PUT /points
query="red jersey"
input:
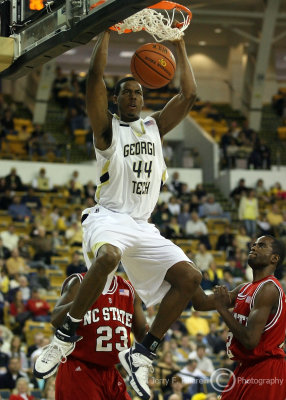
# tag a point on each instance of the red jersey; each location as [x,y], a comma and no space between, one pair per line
[273,336]
[107,324]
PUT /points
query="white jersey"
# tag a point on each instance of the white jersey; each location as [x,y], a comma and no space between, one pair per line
[130,172]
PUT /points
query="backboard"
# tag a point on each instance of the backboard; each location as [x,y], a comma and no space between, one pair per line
[44,29]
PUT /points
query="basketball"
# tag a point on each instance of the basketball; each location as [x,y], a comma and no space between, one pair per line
[153,65]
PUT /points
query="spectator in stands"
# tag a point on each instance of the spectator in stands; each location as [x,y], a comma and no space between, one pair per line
[39,308]
[166,366]
[275,218]
[164,195]
[77,265]
[16,350]
[35,141]
[175,184]
[18,313]
[22,390]
[9,237]
[185,347]
[225,239]
[265,155]
[4,359]
[41,182]
[31,200]
[74,193]
[184,215]
[195,203]
[60,84]
[212,209]
[282,229]
[44,219]
[89,189]
[13,181]
[228,280]
[7,122]
[261,191]
[186,194]
[24,287]
[195,324]
[174,206]
[248,212]
[4,279]
[74,234]
[204,363]
[177,389]
[264,228]
[237,192]
[8,380]
[40,279]
[167,153]
[213,336]
[192,376]
[5,200]
[49,146]
[220,346]
[200,192]
[16,264]
[18,211]
[197,229]
[42,245]
[203,257]
[276,192]
[4,251]
[36,343]
[242,239]
[207,283]
[173,230]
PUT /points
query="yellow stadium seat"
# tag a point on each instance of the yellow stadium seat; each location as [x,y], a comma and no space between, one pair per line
[281,130]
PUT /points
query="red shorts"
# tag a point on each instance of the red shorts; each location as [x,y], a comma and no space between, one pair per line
[265,380]
[80,380]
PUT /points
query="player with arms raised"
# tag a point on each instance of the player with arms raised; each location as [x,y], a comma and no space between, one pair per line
[89,372]
[130,168]
[257,326]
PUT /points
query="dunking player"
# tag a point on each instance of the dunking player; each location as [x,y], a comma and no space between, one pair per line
[89,372]
[130,168]
[257,326]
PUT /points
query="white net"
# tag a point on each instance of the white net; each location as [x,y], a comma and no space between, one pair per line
[155,23]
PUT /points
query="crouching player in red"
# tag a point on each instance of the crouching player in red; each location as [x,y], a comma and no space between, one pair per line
[90,372]
[257,326]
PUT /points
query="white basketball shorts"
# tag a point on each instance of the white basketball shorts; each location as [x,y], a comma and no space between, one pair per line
[146,255]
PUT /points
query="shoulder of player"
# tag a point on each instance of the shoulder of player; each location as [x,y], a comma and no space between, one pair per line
[267,294]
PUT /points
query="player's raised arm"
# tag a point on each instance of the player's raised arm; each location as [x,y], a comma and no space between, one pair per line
[139,324]
[65,302]
[179,106]
[266,302]
[96,94]
[203,302]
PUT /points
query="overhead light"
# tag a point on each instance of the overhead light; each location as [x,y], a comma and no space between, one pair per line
[70,52]
[126,54]
[218,30]
[202,43]
[82,74]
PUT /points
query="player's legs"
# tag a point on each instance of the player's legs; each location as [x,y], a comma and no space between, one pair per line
[90,289]
[79,380]
[263,380]
[184,279]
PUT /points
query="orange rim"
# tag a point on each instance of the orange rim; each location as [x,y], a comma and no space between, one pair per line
[162,5]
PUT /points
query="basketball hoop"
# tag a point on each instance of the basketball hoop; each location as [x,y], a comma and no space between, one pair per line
[157,20]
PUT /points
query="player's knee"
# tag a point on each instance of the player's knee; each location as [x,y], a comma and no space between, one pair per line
[191,280]
[108,258]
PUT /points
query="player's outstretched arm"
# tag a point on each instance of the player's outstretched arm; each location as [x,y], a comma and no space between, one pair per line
[203,302]
[139,324]
[96,94]
[266,301]
[64,303]
[180,105]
